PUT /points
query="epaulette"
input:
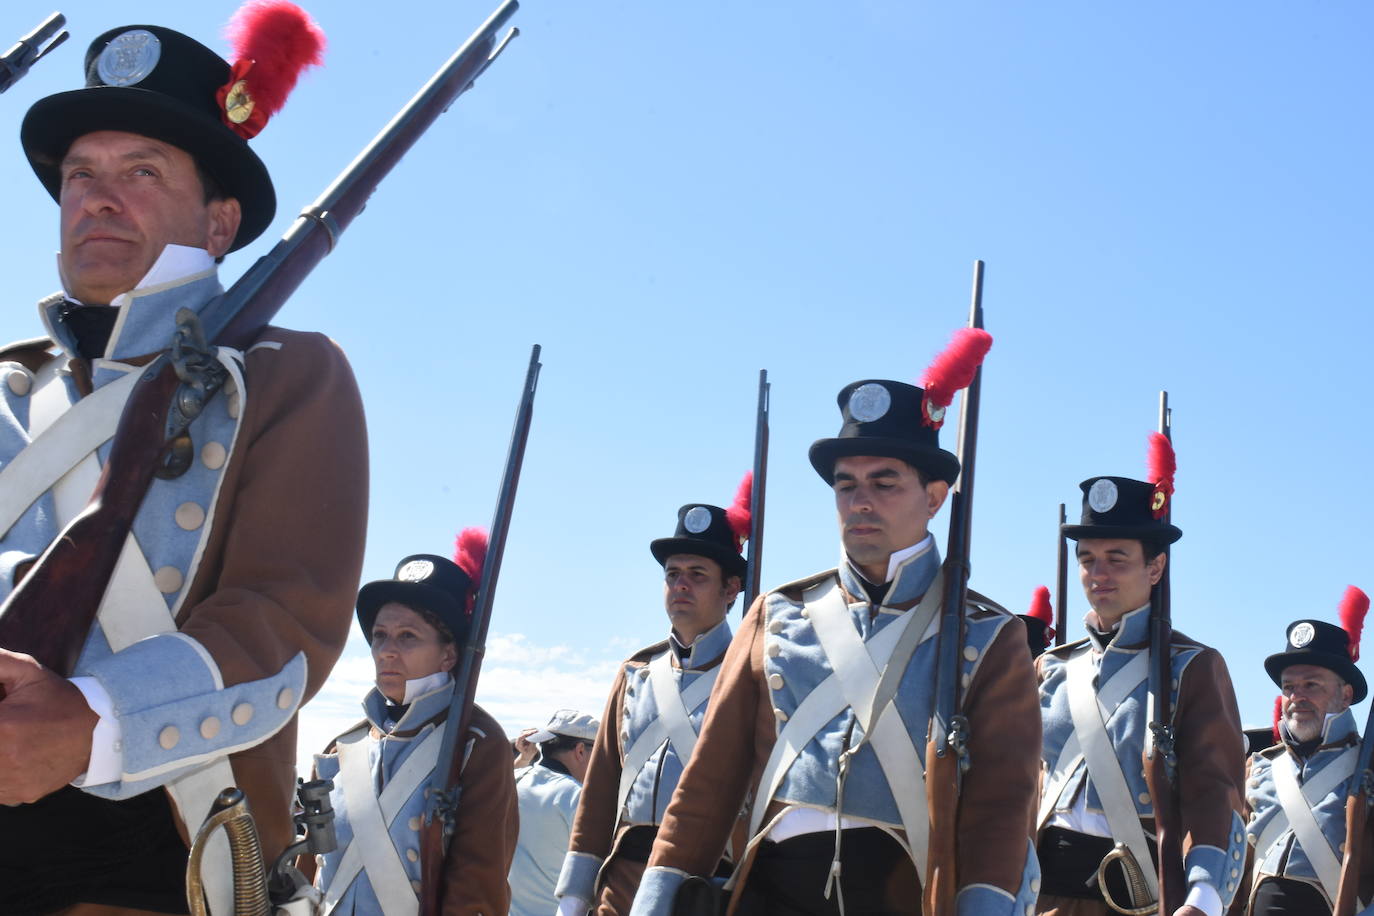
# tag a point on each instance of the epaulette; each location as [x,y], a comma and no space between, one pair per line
[1273,752]
[31,353]
[984,603]
[793,590]
[646,655]
[1067,649]
[333,745]
[1180,639]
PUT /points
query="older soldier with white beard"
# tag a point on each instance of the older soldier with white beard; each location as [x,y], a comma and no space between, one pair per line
[1296,790]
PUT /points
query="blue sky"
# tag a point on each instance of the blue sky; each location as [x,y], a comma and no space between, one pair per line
[669,197]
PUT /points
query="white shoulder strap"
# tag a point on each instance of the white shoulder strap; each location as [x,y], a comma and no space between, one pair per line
[371,817]
[1103,767]
[1297,807]
[1130,676]
[857,671]
[1314,790]
[673,722]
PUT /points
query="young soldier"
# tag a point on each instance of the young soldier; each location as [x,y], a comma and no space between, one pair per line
[654,713]
[1094,698]
[833,773]
[234,591]
[1296,790]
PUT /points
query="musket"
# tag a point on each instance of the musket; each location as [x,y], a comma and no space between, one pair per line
[49,613]
[30,49]
[753,568]
[1161,762]
[946,743]
[445,788]
[1356,816]
[1061,595]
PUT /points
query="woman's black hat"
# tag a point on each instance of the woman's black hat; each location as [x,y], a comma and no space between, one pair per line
[884,419]
[1316,642]
[703,531]
[155,82]
[1118,507]
[422,582]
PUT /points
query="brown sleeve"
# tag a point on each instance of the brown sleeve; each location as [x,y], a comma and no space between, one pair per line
[281,568]
[998,800]
[594,822]
[734,742]
[484,840]
[1211,752]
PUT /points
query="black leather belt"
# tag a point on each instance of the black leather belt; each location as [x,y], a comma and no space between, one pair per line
[1069,861]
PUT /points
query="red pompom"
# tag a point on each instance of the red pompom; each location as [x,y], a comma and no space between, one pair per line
[738,515]
[470,552]
[952,371]
[1278,717]
[1354,607]
[1040,607]
[1159,470]
[272,41]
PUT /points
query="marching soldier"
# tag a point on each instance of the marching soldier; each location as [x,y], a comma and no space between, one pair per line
[827,749]
[1296,791]
[1094,698]
[232,597]
[381,768]
[654,713]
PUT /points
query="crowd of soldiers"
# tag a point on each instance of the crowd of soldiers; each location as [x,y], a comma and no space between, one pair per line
[781,768]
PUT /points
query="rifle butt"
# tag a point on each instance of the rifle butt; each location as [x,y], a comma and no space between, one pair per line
[1356,813]
[942,800]
[431,866]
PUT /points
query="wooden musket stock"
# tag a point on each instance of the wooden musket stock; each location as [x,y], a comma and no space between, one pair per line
[445,787]
[50,612]
[1356,818]
[948,731]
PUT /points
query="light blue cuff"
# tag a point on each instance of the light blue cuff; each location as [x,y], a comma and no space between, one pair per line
[988,900]
[175,713]
[1221,868]
[657,891]
[578,876]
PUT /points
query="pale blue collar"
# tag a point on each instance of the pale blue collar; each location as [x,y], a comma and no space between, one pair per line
[706,648]
[423,707]
[910,572]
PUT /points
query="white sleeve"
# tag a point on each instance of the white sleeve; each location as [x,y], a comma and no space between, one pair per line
[106,763]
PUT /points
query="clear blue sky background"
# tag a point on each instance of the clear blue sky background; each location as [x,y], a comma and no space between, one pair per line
[670,197]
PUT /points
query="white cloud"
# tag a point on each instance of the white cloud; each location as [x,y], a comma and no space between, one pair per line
[521,685]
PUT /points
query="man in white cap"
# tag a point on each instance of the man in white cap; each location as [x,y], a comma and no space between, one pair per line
[548,791]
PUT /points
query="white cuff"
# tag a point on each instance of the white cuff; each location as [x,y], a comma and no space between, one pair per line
[570,905]
[107,761]
[1205,898]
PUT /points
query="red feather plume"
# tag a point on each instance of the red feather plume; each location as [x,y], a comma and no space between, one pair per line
[952,371]
[272,42]
[1278,716]
[1041,610]
[1354,607]
[1159,470]
[738,515]
[470,552]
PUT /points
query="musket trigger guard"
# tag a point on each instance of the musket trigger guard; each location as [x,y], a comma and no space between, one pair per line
[326,221]
[958,740]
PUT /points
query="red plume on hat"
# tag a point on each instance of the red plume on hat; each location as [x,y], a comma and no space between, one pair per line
[739,515]
[952,371]
[1278,716]
[1040,609]
[470,552]
[272,41]
[1160,471]
[1354,607]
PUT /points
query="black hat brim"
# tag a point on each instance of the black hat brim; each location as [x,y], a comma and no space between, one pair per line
[731,563]
[415,595]
[935,463]
[54,123]
[1340,664]
[1159,534]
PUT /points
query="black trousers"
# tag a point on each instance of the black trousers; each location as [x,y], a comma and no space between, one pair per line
[1286,897]
[877,877]
[71,847]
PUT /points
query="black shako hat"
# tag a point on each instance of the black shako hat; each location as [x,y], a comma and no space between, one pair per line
[702,531]
[1037,634]
[1316,642]
[884,419]
[152,81]
[1118,507]
[425,582]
